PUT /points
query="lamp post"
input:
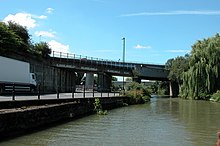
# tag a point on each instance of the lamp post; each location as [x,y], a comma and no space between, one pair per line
[123,83]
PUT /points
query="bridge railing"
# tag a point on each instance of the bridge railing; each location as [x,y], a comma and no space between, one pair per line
[77,92]
[98,61]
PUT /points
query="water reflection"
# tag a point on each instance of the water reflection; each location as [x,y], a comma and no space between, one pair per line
[164,121]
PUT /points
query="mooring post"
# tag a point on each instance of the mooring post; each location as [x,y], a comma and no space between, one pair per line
[38,91]
[72,92]
[84,91]
[13,91]
[58,93]
[93,92]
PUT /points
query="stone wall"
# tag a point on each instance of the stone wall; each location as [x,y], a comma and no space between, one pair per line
[22,120]
[20,117]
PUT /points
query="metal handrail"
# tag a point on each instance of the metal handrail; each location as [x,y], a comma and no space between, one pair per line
[92,59]
[82,57]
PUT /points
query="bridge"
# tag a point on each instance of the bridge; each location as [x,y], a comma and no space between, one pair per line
[117,68]
[105,69]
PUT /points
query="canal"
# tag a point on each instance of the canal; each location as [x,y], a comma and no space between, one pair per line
[163,121]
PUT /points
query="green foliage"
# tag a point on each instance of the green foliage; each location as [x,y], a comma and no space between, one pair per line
[128,79]
[138,93]
[216,97]
[42,49]
[202,78]
[98,107]
[176,67]
[15,39]
[146,99]
[163,88]
[154,87]
[114,78]
[22,32]
[160,88]
[161,91]
[9,40]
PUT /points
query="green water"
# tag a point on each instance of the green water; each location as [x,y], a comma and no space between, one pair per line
[164,121]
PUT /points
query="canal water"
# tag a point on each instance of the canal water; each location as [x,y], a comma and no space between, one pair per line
[162,122]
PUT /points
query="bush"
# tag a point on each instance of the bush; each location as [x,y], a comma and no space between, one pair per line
[138,93]
[216,96]
[146,98]
[98,107]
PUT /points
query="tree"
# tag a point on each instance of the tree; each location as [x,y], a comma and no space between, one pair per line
[9,41]
[176,69]
[22,32]
[42,49]
[202,77]
[168,64]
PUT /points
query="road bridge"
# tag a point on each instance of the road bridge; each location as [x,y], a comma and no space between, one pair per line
[108,68]
[117,68]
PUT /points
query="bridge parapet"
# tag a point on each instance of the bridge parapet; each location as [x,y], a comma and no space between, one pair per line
[151,73]
[85,60]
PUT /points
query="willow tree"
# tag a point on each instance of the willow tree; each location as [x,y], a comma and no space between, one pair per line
[202,78]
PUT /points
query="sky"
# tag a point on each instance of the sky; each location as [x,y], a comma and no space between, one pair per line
[154,30]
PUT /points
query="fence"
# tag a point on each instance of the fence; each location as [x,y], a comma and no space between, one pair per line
[79,93]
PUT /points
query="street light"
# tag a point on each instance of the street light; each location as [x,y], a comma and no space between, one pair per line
[123,84]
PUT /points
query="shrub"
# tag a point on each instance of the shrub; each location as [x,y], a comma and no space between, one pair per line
[98,107]
[216,96]
[138,93]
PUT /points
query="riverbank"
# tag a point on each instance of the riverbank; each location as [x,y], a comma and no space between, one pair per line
[163,121]
[21,117]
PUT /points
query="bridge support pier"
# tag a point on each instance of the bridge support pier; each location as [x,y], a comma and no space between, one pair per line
[89,80]
[136,79]
[64,80]
[174,89]
[104,82]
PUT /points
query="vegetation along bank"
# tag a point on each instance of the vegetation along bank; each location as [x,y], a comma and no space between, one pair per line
[197,74]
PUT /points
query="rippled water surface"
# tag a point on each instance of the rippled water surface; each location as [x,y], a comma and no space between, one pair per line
[162,122]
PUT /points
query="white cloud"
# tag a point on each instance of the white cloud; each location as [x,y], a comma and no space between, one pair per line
[24,19]
[45,34]
[142,47]
[42,17]
[178,51]
[180,12]
[58,47]
[49,10]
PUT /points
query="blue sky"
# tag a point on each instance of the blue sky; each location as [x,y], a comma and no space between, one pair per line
[155,30]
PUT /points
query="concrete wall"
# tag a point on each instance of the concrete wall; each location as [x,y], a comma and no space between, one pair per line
[151,73]
[104,82]
[89,83]
[51,78]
